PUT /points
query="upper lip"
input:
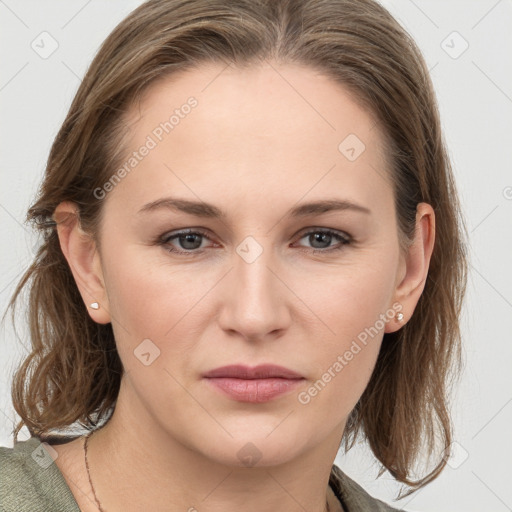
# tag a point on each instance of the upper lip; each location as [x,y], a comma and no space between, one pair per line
[263,371]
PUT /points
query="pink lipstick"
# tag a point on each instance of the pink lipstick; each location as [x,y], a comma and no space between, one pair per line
[255,385]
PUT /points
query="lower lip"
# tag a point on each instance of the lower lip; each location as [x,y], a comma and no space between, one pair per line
[254,390]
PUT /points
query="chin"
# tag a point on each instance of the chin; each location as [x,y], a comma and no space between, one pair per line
[252,448]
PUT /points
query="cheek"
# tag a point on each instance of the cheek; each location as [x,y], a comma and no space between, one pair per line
[151,299]
[352,305]
[146,293]
[348,300]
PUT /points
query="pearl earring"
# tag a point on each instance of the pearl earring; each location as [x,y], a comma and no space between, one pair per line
[94,305]
[400,317]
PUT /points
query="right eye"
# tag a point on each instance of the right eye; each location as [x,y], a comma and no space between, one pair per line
[190,242]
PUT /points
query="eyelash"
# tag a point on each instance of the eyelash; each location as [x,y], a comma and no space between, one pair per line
[164,241]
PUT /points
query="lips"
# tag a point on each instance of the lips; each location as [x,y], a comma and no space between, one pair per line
[254,385]
[264,371]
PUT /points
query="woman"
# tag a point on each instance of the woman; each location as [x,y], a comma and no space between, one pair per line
[253,255]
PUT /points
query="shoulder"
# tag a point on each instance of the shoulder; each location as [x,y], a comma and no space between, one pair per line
[353,497]
[31,481]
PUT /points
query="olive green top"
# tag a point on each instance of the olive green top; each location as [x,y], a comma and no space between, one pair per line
[31,482]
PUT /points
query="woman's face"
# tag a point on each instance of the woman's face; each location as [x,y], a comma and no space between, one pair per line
[256,282]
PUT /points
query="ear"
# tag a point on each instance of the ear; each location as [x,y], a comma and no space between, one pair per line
[84,261]
[413,269]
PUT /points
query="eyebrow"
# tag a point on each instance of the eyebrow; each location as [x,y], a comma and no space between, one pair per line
[202,209]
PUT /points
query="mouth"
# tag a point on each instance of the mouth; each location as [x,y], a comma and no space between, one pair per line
[254,385]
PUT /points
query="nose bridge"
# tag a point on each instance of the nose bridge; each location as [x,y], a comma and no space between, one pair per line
[255,306]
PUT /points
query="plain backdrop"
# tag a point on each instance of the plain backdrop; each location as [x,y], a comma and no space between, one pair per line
[467,48]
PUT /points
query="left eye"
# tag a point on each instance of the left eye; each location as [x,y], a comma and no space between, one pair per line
[322,237]
[190,241]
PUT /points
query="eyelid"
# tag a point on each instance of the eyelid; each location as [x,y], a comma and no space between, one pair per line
[309,231]
[185,231]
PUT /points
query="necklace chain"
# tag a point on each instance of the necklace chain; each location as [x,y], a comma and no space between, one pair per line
[92,486]
[88,471]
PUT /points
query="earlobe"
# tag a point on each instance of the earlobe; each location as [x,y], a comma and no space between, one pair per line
[416,264]
[83,258]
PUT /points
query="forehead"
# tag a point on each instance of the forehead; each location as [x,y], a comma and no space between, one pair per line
[268,128]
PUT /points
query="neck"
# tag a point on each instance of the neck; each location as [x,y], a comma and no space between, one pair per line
[144,466]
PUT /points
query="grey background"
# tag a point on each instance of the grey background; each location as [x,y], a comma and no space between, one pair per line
[475,97]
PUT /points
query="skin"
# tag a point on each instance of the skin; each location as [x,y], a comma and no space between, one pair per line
[260,141]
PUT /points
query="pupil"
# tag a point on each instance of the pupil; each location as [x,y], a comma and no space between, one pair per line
[189,239]
[320,236]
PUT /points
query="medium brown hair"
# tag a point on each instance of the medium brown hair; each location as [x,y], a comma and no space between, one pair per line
[73,371]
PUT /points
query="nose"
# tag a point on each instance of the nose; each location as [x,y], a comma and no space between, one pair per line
[256,299]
